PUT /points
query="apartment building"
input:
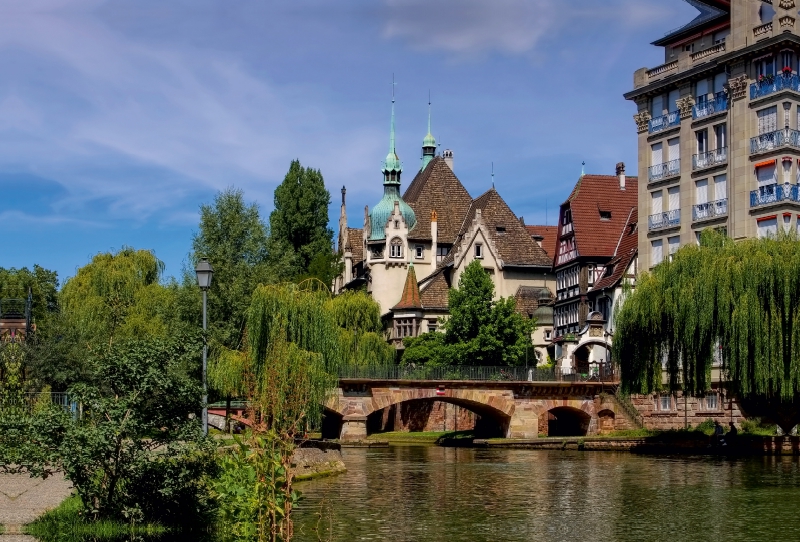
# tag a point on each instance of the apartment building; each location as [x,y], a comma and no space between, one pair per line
[718,122]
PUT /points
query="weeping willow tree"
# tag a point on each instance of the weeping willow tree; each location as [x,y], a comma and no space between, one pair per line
[738,301]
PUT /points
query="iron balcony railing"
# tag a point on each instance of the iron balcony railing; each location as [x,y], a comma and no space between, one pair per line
[774,140]
[709,107]
[663,220]
[604,371]
[664,171]
[773,193]
[771,84]
[663,122]
[712,209]
[710,158]
[30,402]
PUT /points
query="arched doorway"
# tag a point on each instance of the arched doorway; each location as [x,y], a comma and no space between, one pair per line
[332,423]
[567,422]
[582,360]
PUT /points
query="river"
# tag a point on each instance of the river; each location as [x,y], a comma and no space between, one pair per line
[410,493]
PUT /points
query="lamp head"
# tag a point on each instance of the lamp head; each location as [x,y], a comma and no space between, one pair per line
[204,273]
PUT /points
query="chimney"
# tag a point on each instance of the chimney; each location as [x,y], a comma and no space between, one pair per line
[448,158]
[621,175]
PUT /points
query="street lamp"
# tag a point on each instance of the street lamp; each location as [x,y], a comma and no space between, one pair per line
[204,273]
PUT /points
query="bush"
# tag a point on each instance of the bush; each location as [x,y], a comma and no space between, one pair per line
[756,426]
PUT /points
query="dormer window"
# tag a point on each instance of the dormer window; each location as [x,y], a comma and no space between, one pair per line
[500,229]
[397,224]
[478,250]
[605,215]
[396,248]
[419,251]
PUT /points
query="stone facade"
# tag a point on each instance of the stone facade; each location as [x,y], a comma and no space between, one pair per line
[733,163]
[663,412]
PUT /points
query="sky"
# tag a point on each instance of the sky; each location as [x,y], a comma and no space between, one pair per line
[120,118]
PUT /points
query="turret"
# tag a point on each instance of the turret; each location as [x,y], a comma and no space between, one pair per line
[428,143]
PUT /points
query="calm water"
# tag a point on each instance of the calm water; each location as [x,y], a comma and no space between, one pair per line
[409,493]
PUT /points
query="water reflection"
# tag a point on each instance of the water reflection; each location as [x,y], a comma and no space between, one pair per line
[420,493]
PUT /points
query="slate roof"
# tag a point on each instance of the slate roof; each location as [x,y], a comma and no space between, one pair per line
[549,236]
[436,292]
[410,298]
[530,298]
[627,249]
[594,193]
[437,188]
[514,245]
[355,237]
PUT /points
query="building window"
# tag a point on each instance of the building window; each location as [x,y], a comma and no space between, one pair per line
[419,252]
[433,325]
[767,227]
[702,141]
[548,334]
[657,251]
[404,327]
[720,136]
[767,120]
[674,243]
[765,66]
[441,252]
[664,403]
[712,401]
[478,250]
[377,253]
[396,248]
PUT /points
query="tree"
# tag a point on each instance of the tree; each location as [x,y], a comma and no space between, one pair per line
[43,286]
[734,301]
[299,222]
[136,453]
[480,331]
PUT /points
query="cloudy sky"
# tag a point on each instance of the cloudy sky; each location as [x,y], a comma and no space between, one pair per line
[119,118]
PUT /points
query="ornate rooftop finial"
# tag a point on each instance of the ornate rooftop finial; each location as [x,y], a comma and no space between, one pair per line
[583,167]
[391,166]
[492,175]
[429,142]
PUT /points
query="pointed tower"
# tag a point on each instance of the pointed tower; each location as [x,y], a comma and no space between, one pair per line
[429,142]
[410,298]
[392,168]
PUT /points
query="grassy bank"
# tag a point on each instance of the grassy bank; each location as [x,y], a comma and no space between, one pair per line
[420,437]
[66,523]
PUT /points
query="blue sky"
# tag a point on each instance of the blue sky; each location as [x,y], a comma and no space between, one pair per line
[118,119]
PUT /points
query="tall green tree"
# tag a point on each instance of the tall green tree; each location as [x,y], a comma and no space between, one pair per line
[734,301]
[300,222]
[43,286]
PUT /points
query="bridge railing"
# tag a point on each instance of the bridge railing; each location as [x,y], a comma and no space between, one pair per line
[602,373]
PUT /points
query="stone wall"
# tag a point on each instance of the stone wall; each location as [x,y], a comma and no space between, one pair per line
[314,462]
[680,413]
[428,416]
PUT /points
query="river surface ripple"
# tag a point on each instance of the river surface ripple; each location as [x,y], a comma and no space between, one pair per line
[410,493]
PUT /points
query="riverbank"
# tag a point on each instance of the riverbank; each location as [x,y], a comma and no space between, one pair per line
[317,459]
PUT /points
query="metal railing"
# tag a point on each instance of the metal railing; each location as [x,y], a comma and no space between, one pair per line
[712,209]
[710,158]
[29,402]
[664,171]
[663,220]
[774,140]
[718,104]
[598,372]
[658,124]
[773,193]
[774,83]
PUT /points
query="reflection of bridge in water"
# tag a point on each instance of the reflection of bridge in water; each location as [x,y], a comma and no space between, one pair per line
[513,402]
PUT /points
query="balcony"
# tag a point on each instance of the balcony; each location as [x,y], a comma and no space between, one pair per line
[710,107]
[710,158]
[773,83]
[664,68]
[659,172]
[659,124]
[773,193]
[774,140]
[660,221]
[699,55]
[712,209]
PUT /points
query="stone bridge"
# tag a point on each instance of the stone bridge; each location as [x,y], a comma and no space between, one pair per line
[505,409]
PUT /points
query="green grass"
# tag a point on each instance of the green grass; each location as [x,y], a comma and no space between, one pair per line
[66,524]
[418,436]
[631,433]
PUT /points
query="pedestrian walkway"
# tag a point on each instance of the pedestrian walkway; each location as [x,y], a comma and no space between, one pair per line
[23,499]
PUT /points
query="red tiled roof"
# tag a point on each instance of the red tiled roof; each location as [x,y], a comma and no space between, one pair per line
[549,235]
[627,249]
[436,188]
[592,194]
[436,292]
[355,238]
[410,298]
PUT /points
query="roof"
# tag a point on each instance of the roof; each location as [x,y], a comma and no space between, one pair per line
[549,234]
[711,11]
[596,236]
[627,249]
[529,299]
[355,238]
[436,188]
[514,244]
[436,292]
[410,298]
[379,215]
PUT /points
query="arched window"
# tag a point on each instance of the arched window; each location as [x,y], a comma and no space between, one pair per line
[396,248]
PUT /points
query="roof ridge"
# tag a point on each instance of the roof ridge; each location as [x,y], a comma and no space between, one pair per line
[624,227]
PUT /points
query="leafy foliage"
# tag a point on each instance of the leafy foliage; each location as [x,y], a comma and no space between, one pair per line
[136,452]
[43,285]
[739,301]
[299,223]
[480,331]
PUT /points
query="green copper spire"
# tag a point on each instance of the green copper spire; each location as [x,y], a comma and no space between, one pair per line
[392,166]
[428,143]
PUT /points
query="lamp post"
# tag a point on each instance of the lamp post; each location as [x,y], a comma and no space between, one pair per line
[204,273]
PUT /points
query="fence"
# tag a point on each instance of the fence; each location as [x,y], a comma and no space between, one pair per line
[29,402]
[602,372]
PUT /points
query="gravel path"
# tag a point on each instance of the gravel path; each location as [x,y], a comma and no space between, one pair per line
[23,499]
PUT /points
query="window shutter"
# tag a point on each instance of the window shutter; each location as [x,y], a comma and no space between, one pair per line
[719,82]
[674,244]
[674,148]
[765,175]
[702,90]
[721,187]
[768,120]
[673,97]
[656,206]
[656,154]
[768,227]
[674,198]
[657,252]
[658,106]
[701,194]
